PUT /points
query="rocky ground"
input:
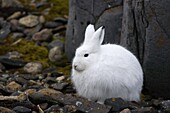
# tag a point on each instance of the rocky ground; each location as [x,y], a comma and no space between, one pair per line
[34,73]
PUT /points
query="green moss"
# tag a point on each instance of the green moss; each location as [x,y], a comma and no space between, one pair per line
[30,51]
[65,70]
[59,9]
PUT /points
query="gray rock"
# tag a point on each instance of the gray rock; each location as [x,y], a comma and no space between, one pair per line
[2,67]
[144,110]
[13,86]
[53,108]
[165,106]
[42,19]
[61,20]
[59,29]
[43,35]
[82,13]
[145,33]
[20,80]
[52,24]
[29,21]
[9,7]
[6,110]
[38,98]
[29,77]
[55,43]
[16,35]
[15,27]
[33,67]
[10,3]
[15,15]
[21,109]
[40,4]
[14,55]
[55,54]
[29,32]
[81,104]
[11,63]
[108,19]
[117,104]
[59,86]
[4,29]
[50,80]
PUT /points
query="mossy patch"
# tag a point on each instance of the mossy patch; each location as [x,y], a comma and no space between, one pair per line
[57,8]
[65,70]
[30,51]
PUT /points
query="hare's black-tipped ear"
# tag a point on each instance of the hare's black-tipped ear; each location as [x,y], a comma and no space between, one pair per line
[98,36]
[89,32]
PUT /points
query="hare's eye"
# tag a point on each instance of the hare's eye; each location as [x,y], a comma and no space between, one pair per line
[86,55]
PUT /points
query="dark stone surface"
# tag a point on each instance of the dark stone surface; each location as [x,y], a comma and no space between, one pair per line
[22,109]
[11,63]
[81,104]
[145,32]
[4,29]
[9,7]
[157,53]
[117,104]
[165,106]
[82,13]
[52,24]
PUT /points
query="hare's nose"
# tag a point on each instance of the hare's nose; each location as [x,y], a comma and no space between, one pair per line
[75,66]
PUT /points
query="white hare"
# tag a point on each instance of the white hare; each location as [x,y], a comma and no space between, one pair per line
[105,71]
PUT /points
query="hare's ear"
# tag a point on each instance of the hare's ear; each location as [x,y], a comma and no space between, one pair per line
[98,36]
[89,32]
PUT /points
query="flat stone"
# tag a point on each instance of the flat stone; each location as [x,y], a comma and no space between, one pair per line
[61,20]
[53,108]
[81,104]
[165,106]
[33,67]
[2,67]
[144,110]
[50,80]
[14,55]
[15,27]
[52,24]
[30,91]
[57,43]
[20,80]
[4,29]
[11,63]
[55,54]
[10,3]
[29,21]
[16,35]
[49,92]
[29,32]
[38,98]
[59,86]
[13,86]
[21,109]
[29,76]
[117,104]
[43,35]
[61,78]
[15,15]
[6,110]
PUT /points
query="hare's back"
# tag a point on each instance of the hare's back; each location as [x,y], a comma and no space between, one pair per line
[116,55]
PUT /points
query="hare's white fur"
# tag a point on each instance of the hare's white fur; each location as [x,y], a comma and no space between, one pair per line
[106,71]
